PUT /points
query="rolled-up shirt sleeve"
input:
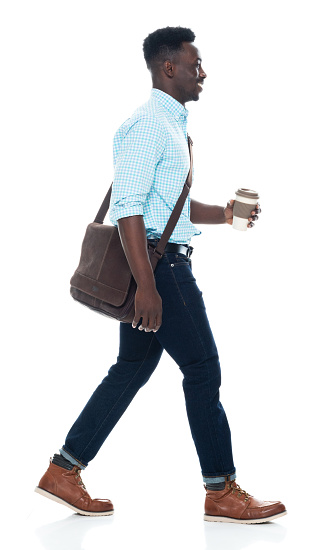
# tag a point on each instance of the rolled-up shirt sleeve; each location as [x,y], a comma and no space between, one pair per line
[140,147]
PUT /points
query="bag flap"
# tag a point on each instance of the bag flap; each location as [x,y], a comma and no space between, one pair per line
[103,271]
[103,292]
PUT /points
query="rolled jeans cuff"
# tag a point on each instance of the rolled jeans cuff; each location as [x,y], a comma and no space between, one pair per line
[219,479]
[71,459]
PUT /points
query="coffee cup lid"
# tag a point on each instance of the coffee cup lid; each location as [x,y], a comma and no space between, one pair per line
[249,193]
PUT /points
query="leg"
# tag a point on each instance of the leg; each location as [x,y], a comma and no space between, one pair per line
[186,335]
[139,354]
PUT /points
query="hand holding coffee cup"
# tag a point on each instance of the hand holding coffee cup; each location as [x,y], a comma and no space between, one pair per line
[244,204]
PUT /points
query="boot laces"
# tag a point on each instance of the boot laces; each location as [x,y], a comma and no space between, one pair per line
[80,482]
[235,487]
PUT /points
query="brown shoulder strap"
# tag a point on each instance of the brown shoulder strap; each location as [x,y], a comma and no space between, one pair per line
[175,214]
[100,216]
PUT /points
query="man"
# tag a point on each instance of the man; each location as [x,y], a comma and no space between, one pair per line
[151,161]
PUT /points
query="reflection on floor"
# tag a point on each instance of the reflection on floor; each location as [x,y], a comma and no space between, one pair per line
[50,526]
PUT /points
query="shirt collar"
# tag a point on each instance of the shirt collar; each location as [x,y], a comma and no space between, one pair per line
[171,104]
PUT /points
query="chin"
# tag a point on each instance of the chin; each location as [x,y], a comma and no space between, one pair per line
[194,97]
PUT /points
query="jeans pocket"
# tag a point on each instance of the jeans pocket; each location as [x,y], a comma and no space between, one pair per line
[178,260]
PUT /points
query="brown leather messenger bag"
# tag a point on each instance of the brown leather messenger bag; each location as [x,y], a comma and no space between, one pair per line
[103,280]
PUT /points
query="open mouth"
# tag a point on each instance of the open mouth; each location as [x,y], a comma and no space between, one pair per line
[200,84]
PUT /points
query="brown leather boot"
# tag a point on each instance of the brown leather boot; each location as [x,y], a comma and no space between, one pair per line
[233,505]
[66,487]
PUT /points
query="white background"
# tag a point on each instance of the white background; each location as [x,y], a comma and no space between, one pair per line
[71,73]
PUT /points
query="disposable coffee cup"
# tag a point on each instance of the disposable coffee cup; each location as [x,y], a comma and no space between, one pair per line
[245,202]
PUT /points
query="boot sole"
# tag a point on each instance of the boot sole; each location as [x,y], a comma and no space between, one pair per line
[247,521]
[46,494]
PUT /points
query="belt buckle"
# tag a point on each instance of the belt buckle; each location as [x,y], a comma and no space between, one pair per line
[189,252]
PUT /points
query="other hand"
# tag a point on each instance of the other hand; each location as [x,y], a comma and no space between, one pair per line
[229,213]
[148,307]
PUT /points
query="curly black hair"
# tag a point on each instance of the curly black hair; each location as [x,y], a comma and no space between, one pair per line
[163,43]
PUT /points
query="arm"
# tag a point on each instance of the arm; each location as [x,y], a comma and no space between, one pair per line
[148,304]
[135,165]
[206,213]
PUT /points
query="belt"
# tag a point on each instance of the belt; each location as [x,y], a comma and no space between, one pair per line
[176,248]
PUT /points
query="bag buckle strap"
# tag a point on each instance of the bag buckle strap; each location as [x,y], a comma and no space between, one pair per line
[154,251]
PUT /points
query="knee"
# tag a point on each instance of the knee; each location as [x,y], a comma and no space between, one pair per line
[124,372]
[206,371]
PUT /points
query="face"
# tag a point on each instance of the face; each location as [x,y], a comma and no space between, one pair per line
[188,74]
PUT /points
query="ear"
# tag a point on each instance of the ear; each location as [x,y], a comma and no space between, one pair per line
[168,68]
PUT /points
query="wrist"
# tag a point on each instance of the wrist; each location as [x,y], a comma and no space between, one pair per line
[146,283]
[220,215]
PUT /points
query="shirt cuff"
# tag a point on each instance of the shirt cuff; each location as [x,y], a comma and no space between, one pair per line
[119,212]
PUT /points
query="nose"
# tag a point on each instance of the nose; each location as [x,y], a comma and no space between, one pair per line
[202,73]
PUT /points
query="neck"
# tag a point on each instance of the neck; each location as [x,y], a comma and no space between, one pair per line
[168,90]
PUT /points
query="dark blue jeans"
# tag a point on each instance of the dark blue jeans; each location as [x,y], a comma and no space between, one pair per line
[186,335]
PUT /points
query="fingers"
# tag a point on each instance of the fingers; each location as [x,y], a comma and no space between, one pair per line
[144,323]
[152,324]
[158,322]
[136,320]
[254,216]
[250,220]
[256,211]
[148,325]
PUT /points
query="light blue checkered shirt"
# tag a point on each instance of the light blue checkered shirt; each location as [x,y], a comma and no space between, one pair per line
[151,162]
